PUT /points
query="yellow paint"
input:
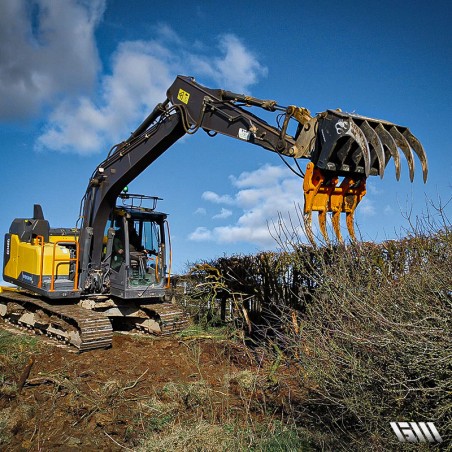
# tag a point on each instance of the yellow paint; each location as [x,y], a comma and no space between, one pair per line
[322,196]
[8,289]
[183,96]
[26,257]
[59,238]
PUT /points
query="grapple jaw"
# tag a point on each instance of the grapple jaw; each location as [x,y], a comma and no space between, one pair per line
[353,147]
[324,194]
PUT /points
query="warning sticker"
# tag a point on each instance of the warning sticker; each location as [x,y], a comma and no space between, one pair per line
[183,96]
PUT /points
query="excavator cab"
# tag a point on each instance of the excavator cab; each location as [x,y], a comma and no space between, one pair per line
[136,250]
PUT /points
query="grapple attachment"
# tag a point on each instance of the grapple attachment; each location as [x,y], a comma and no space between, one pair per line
[353,147]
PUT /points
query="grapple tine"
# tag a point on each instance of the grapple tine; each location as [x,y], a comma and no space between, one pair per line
[358,135]
[312,182]
[402,143]
[322,225]
[335,220]
[350,220]
[372,138]
[387,140]
[307,218]
[323,195]
[419,150]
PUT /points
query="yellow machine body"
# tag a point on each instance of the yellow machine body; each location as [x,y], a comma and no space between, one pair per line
[41,265]
[28,257]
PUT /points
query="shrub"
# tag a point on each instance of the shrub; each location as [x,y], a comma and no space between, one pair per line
[366,326]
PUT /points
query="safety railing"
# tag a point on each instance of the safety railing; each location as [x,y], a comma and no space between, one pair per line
[67,260]
[40,242]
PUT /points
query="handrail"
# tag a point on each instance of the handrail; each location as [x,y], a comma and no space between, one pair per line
[157,279]
[68,260]
[40,242]
[168,282]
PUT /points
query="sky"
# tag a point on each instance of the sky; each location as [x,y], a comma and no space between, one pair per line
[77,76]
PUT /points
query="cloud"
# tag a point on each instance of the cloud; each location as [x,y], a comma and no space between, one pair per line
[271,195]
[140,77]
[200,211]
[367,207]
[225,213]
[141,72]
[46,48]
[217,199]
[264,176]
[373,189]
[201,234]
[238,67]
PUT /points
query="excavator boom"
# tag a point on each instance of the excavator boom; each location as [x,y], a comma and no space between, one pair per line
[338,145]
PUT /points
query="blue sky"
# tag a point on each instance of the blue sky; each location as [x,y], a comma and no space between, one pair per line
[77,77]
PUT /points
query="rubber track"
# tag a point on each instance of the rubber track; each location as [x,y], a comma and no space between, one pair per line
[94,328]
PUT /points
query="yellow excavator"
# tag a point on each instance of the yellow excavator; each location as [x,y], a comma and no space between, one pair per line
[112,270]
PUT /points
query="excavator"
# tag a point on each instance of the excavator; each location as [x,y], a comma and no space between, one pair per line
[112,271]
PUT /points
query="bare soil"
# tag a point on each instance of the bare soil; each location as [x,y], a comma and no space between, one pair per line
[95,400]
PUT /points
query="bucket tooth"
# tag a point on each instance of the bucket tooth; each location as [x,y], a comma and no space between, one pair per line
[402,143]
[342,152]
[387,140]
[419,150]
[372,138]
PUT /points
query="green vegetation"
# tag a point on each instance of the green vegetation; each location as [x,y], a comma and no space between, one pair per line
[15,351]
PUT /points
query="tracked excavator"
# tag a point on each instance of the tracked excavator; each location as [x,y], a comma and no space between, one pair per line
[112,270]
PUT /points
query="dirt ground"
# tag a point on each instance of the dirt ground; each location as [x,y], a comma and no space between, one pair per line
[103,399]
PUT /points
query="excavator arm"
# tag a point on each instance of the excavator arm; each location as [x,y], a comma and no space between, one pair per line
[337,144]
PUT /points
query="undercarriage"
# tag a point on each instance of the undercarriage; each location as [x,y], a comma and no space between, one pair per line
[89,324]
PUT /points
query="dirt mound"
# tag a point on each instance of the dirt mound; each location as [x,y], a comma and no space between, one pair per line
[105,399]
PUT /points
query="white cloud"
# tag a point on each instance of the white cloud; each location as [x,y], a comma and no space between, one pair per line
[264,176]
[237,68]
[200,211]
[367,207]
[46,48]
[201,234]
[372,188]
[225,213]
[141,73]
[261,204]
[216,198]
